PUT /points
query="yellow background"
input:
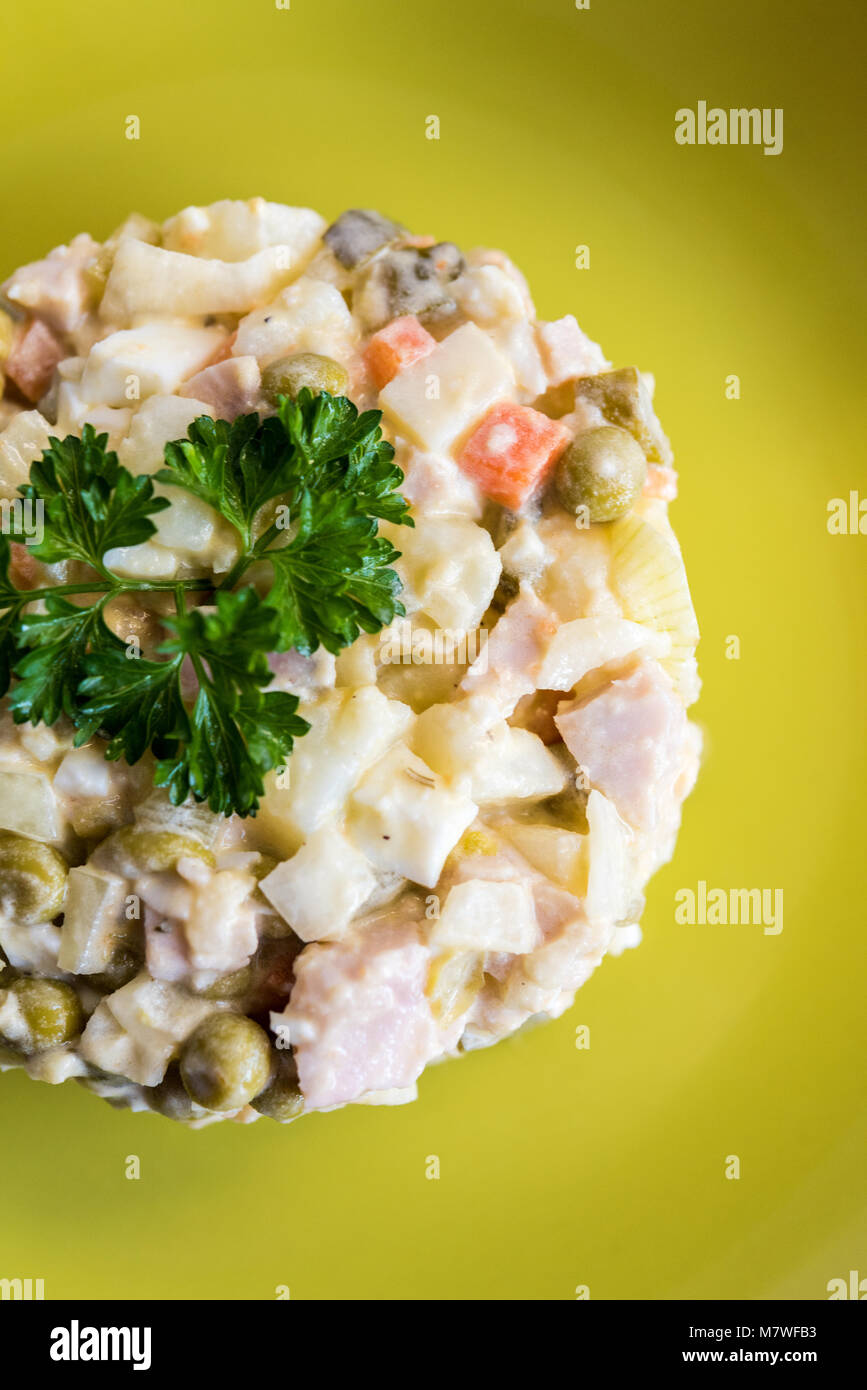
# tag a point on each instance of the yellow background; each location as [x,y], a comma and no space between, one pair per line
[559,1167]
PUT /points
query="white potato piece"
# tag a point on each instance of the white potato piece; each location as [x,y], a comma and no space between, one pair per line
[28,805]
[158,421]
[406,819]
[149,560]
[449,569]
[150,280]
[437,400]
[434,484]
[484,915]
[152,359]
[492,761]
[351,729]
[586,643]
[24,439]
[309,316]
[322,887]
[234,229]
[94,901]
[609,882]
[136,1030]
[74,412]
[488,296]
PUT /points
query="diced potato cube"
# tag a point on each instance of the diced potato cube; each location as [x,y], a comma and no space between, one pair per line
[351,729]
[158,421]
[497,762]
[28,805]
[512,452]
[24,439]
[585,643]
[146,361]
[136,1031]
[437,400]
[149,280]
[405,818]
[449,568]
[310,316]
[232,230]
[73,412]
[486,915]
[395,347]
[609,883]
[149,560]
[94,900]
[489,296]
[321,888]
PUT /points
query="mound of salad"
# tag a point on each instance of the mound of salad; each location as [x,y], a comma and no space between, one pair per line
[345,654]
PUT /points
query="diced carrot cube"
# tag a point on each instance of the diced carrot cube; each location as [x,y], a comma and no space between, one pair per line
[398,345]
[511,452]
[34,356]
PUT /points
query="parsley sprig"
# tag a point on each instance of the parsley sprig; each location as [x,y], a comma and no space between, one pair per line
[304,490]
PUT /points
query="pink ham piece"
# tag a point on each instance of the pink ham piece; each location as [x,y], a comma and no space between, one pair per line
[34,356]
[358,1016]
[567,352]
[55,288]
[630,739]
[231,388]
[509,665]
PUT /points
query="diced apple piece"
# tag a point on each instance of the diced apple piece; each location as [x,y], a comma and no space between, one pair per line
[94,900]
[405,819]
[395,347]
[561,855]
[585,643]
[28,805]
[321,888]
[484,915]
[351,729]
[232,230]
[24,439]
[437,400]
[150,360]
[449,568]
[512,452]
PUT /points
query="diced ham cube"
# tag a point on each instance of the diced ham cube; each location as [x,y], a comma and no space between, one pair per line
[512,451]
[630,739]
[358,1016]
[567,352]
[33,359]
[231,387]
[55,288]
[397,345]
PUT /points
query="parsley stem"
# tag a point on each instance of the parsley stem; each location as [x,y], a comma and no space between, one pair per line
[243,563]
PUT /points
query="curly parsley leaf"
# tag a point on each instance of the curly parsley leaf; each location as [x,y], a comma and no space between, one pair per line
[91,504]
[10,602]
[54,644]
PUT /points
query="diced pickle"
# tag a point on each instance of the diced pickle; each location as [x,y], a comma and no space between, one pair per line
[152,851]
[357,233]
[170,1098]
[603,470]
[124,965]
[32,879]
[226,1062]
[624,400]
[232,986]
[410,280]
[288,375]
[281,1099]
[50,1010]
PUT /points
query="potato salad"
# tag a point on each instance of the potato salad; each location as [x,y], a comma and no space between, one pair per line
[347,650]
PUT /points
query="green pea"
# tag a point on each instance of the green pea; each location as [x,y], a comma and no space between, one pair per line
[288,375]
[603,470]
[51,1012]
[624,400]
[170,1097]
[32,879]
[226,1062]
[281,1099]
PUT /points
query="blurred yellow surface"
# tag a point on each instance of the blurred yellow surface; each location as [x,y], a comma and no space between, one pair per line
[560,1166]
